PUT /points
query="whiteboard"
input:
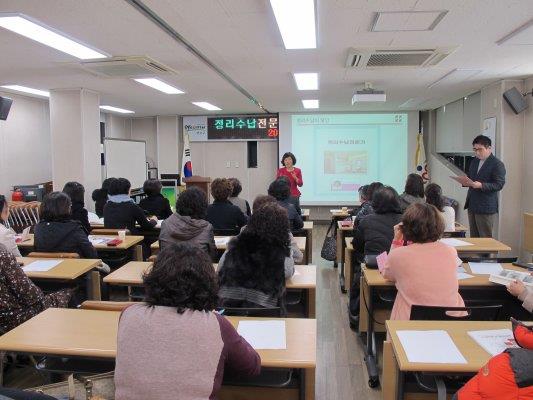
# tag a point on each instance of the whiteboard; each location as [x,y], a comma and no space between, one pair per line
[126,159]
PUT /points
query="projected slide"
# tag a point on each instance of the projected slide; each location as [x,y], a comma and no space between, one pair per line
[340,152]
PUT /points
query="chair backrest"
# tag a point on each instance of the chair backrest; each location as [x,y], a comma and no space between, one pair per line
[106,305]
[473,313]
[38,254]
[108,231]
[252,311]
[489,259]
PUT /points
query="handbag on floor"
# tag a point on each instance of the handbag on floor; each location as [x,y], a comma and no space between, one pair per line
[95,387]
[329,247]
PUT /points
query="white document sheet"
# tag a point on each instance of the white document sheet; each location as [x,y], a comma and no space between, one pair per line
[455,242]
[461,269]
[463,275]
[494,341]
[98,240]
[41,265]
[264,334]
[221,241]
[336,211]
[93,218]
[430,347]
[482,268]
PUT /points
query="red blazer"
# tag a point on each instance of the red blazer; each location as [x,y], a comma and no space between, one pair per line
[293,182]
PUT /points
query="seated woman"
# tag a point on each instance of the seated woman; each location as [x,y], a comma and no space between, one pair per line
[7,236]
[425,271]
[57,232]
[190,345]
[236,200]
[99,197]
[413,192]
[253,269]
[434,197]
[154,203]
[188,224]
[121,212]
[20,299]
[221,213]
[280,190]
[76,192]
[523,293]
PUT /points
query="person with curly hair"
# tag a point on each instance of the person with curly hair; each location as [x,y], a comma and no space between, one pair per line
[189,345]
[423,268]
[236,200]
[280,190]
[253,269]
[221,213]
[188,224]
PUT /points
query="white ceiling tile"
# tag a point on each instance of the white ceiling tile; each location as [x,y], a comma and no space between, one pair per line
[406,21]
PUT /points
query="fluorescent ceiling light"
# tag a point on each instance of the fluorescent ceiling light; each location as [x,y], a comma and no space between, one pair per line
[116,109]
[206,106]
[159,85]
[310,103]
[38,32]
[296,22]
[24,89]
[306,81]
[520,36]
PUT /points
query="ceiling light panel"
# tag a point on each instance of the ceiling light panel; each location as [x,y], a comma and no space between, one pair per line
[36,31]
[116,109]
[25,89]
[306,81]
[310,103]
[407,21]
[296,23]
[206,106]
[155,83]
[523,35]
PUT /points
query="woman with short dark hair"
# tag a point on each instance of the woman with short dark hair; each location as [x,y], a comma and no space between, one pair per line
[434,197]
[221,213]
[293,174]
[188,224]
[280,190]
[99,197]
[413,192]
[76,192]
[424,270]
[57,232]
[155,203]
[236,200]
[190,345]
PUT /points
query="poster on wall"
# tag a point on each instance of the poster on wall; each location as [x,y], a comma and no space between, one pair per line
[489,129]
[196,127]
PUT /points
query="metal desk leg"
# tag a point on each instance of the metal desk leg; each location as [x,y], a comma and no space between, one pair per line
[370,356]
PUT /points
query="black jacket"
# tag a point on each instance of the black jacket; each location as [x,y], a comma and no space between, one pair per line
[65,237]
[374,233]
[295,219]
[157,205]
[79,213]
[224,215]
[492,176]
[124,215]
[100,198]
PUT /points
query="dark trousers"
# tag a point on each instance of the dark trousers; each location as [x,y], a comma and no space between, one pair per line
[481,224]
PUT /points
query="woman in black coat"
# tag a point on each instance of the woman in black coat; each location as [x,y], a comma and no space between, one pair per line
[76,192]
[154,203]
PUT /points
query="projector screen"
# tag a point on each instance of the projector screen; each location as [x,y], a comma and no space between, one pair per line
[338,153]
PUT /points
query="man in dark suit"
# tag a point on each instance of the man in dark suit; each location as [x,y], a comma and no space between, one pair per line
[488,177]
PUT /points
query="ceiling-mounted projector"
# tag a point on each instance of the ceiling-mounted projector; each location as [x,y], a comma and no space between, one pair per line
[368,94]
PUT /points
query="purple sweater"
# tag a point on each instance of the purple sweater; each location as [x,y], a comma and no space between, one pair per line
[162,354]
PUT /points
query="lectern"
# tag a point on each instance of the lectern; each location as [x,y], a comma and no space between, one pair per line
[201,183]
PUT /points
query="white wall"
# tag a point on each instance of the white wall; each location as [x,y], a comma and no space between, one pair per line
[117,127]
[168,147]
[146,129]
[25,144]
[527,177]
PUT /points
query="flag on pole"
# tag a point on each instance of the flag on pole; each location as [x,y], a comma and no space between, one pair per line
[186,163]
[421,166]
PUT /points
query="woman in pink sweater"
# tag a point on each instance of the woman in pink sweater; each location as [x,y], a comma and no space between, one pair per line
[425,271]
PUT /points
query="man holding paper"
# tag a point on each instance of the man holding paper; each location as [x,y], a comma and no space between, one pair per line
[485,178]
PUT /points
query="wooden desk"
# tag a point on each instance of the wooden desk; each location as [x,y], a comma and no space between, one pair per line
[308,234]
[69,270]
[395,362]
[482,245]
[342,233]
[93,334]
[304,279]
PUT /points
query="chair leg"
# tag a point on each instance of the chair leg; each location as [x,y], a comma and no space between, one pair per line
[2,360]
[441,388]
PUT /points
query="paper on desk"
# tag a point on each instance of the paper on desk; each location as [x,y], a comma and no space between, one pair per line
[296,273]
[221,241]
[430,347]
[264,334]
[41,265]
[337,211]
[494,341]
[461,269]
[92,217]
[455,242]
[463,275]
[483,268]
[99,240]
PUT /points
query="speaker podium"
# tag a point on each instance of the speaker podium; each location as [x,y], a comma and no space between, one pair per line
[201,182]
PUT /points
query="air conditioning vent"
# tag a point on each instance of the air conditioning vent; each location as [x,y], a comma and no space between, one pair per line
[126,67]
[381,58]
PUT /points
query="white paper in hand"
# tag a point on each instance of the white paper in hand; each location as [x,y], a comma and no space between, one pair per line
[41,265]
[435,347]
[264,334]
[455,242]
[494,341]
[482,268]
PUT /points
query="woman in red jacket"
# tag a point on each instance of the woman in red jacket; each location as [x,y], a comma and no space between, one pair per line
[507,376]
[293,174]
